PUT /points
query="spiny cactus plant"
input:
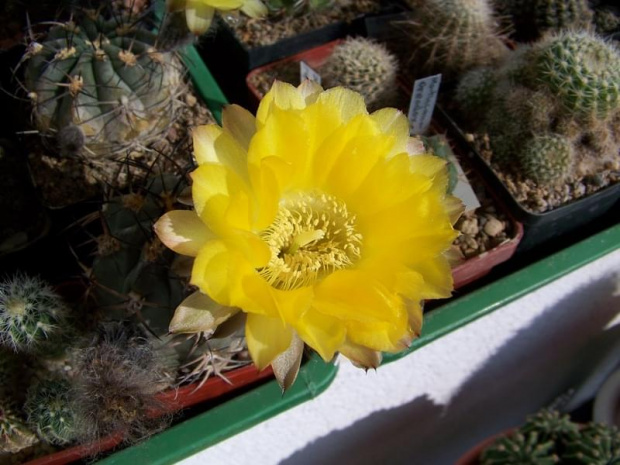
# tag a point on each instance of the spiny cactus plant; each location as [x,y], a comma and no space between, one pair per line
[547,158]
[104,77]
[132,272]
[14,433]
[550,437]
[452,36]
[51,412]
[118,375]
[582,70]
[596,444]
[524,449]
[475,90]
[363,66]
[532,18]
[32,315]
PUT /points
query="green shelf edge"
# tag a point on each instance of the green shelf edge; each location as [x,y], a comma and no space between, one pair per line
[226,420]
[487,299]
[203,80]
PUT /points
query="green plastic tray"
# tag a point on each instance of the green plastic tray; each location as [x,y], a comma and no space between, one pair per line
[226,420]
[487,299]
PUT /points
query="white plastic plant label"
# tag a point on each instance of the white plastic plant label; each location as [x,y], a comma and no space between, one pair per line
[422,103]
[306,72]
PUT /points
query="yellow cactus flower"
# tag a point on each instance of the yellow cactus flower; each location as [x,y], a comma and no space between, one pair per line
[199,13]
[323,223]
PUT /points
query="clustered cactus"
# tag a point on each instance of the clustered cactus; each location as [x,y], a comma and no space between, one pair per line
[364,66]
[553,107]
[101,84]
[452,36]
[548,438]
[50,411]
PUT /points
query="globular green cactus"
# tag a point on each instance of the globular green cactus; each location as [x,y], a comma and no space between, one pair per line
[475,91]
[118,375]
[364,66]
[582,70]
[547,158]
[532,18]
[32,316]
[132,272]
[597,444]
[551,425]
[452,36]
[14,433]
[51,412]
[522,449]
[107,79]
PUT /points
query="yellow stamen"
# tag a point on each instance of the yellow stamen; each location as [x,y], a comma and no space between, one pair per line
[312,235]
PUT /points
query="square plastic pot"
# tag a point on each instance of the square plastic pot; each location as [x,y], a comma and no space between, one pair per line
[539,228]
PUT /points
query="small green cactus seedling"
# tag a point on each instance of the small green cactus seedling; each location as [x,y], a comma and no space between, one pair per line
[104,78]
[32,315]
[547,158]
[14,434]
[551,424]
[453,36]
[363,66]
[50,411]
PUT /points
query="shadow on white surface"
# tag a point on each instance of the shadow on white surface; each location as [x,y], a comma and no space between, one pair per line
[556,352]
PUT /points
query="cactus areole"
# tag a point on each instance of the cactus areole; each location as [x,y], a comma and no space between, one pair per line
[107,78]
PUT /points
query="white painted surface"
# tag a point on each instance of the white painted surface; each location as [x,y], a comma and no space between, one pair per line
[432,405]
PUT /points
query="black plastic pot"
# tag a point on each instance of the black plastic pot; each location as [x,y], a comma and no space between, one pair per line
[541,228]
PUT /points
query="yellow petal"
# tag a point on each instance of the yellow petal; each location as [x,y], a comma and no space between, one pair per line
[286,365]
[454,207]
[323,333]
[361,356]
[267,338]
[199,312]
[346,103]
[240,123]
[221,198]
[182,231]
[204,140]
[214,269]
[393,122]
[416,316]
[309,90]
[356,295]
[198,16]
[214,145]
[254,8]
[281,95]
[223,4]
[437,276]
[383,337]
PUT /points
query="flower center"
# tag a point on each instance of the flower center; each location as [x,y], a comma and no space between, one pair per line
[312,235]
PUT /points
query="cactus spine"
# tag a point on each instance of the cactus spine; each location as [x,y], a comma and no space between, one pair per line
[547,158]
[363,66]
[32,315]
